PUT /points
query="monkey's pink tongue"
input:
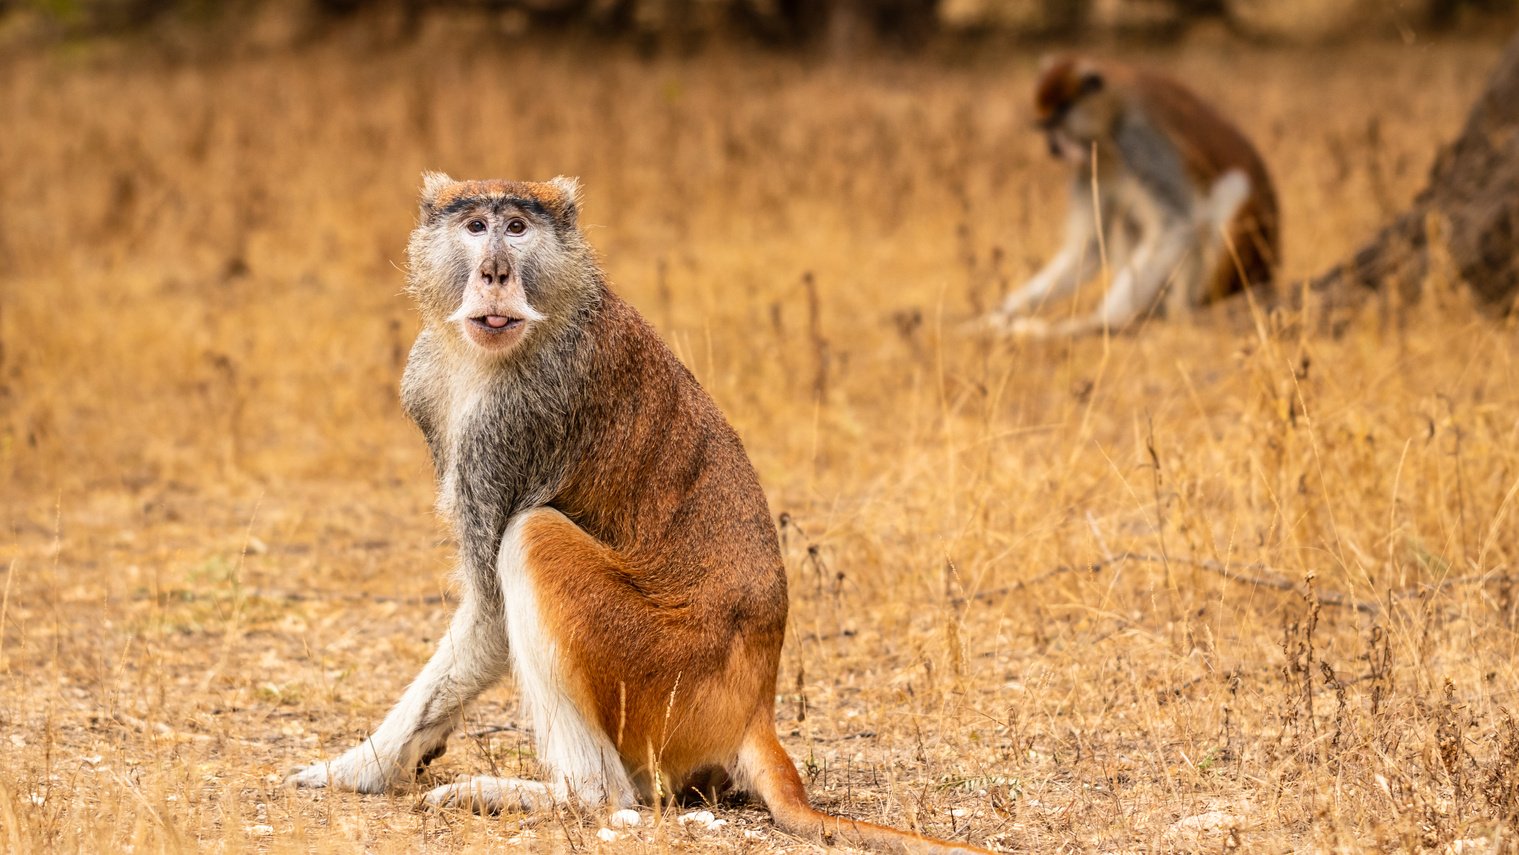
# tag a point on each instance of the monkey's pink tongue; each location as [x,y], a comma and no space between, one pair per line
[496,321]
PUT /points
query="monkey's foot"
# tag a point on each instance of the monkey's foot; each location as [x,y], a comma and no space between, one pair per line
[485,794]
[362,769]
[338,776]
[1028,328]
[991,324]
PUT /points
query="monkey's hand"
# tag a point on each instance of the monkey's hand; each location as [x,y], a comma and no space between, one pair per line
[991,324]
[363,769]
[1016,303]
[1030,328]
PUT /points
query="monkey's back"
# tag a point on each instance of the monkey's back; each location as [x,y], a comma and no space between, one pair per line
[663,477]
[1211,146]
[663,480]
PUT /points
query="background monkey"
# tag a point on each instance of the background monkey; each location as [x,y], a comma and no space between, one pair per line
[616,549]
[1184,202]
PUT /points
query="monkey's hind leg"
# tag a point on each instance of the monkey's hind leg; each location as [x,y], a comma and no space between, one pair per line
[578,756]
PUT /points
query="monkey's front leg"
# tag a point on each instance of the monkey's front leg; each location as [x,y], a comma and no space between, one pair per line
[1076,261]
[1069,267]
[1138,286]
[471,656]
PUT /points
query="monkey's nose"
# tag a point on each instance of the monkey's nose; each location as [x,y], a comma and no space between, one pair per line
[495,270]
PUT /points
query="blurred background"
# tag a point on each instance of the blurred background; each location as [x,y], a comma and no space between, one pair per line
[222,163]
[1230,582]
[834,25]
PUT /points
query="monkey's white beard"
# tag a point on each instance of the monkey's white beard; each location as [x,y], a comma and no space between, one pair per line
[513,307]
[1073,150]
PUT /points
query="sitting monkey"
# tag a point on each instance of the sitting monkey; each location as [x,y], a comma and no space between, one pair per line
[1182,202]
[616,550]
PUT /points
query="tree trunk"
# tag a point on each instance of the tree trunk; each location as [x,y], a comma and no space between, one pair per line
[1466,220]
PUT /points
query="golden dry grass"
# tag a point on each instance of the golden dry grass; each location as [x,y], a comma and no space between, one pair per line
[219,559]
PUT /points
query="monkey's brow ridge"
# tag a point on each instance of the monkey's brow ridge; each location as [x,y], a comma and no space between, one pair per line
[496,203]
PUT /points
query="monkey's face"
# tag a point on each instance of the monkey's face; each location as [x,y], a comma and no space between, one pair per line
[1068,145]
[1074,109]
[497,261]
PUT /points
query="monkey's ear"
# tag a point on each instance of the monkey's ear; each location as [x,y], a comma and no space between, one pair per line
[432,184]
[570,188]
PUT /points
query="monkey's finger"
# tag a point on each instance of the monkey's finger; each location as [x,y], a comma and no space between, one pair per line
[315,776]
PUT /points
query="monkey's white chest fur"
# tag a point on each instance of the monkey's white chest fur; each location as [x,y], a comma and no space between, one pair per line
[464,391]
[578,755]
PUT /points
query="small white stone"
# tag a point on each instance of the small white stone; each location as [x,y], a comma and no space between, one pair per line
[958,812]
[704,817]
[716,824]
[626,818]
[754,834]
[259,830]
[608,835]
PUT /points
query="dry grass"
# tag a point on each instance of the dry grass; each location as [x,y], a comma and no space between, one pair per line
[219,559]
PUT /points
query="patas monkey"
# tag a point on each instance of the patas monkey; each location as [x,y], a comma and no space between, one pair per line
[1172,191]
[615,548]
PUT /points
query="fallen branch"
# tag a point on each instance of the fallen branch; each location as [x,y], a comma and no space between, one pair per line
[1232,572]
[1029,583]
[1430,589]
[497,728]
[1235,573]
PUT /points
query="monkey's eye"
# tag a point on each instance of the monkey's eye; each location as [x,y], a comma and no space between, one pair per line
[476,227]
[515,226]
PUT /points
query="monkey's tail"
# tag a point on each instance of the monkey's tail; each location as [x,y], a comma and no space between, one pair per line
[766,767]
